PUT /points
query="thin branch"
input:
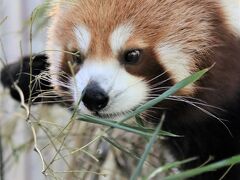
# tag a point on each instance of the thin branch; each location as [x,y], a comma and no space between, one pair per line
[36,147]
[1,159]
[29,122]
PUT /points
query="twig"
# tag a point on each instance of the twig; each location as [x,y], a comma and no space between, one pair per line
[22,100]
[4,61]
[227,171]
[1,160]
[3,20]
[29,122]
[36,147]
[33,16]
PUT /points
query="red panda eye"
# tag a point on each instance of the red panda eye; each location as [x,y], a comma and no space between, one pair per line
[77,58]
[132,56]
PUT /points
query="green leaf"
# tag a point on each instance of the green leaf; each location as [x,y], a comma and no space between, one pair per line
[134,129]
[120,147]
[169,166]
[197,171]
[191,79]
[139,121]
[148,147]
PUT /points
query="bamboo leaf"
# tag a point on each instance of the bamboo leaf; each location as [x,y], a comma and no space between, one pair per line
[187,81]
[123,126]
[148,148]
[120,147]
[211,167]
[169,166]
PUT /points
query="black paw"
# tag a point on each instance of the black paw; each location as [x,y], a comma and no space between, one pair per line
[19,72]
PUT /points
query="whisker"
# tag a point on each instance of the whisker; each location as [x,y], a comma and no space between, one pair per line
[198,102]
[44,96]
[160,88]
[161,82]
[204,88]
[156,77]
[148,117]
[205,111]
[142,80]
[158,108]
[124,90]
[46,93]
[154,95]
[189,97]
[113,81]
[52,102]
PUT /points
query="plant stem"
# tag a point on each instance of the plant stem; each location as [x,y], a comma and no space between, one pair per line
[1,160]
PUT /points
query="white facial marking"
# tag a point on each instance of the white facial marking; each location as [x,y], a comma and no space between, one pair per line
[177,63]
[83,37]
[231,9]
[125,90]
[120,36]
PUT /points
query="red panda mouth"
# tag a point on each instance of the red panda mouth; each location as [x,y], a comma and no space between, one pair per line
[115,115]
[111,115]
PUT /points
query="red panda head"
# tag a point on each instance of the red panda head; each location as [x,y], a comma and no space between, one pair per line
[123,53]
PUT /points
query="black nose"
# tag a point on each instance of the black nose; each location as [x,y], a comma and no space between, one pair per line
[95,98]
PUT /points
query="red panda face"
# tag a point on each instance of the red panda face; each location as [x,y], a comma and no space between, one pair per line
[119,54]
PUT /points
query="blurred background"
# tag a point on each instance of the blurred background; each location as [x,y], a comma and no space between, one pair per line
[19,161]
[15,28]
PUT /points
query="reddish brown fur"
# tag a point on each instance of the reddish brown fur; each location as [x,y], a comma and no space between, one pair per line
[189,23]
[155,21]
[201,31]
[198,26]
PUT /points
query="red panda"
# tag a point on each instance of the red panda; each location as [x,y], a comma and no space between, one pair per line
[124,53]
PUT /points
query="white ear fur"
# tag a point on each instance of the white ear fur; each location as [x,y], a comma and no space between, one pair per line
[120,36]
[83,37]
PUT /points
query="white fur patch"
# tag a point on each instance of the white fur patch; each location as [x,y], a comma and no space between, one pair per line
[120,36]
[177,63]
[83,37]
[125,90]
[231,9]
